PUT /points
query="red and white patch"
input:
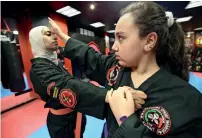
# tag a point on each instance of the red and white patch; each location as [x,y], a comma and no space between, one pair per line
[112,75]
[52,84]
[156,119]
[68,98]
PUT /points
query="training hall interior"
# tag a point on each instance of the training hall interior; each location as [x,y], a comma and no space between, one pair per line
[23,112]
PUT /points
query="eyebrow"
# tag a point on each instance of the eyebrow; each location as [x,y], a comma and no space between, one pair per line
[119,33]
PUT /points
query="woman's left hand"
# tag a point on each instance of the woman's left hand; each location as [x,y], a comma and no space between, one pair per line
[56,29]
[121,103]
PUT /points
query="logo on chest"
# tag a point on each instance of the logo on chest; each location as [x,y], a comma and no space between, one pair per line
[156,119]
[112,75]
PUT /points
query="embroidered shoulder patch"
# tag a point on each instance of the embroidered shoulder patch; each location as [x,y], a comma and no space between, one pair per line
[156,119]
[68,98]
[112,75]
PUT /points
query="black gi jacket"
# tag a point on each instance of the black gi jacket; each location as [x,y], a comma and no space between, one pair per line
[172,110]
[59,126]
[49,80]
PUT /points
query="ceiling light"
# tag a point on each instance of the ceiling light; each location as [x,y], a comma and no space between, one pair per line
[92,6]
[75,13]
[98,24]
[111,31]
[68,11]
[184,19]
[193,4]
[63,9]
[197,29]
[15,32]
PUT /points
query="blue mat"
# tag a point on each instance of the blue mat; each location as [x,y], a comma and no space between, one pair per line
[195,81]
[40,133]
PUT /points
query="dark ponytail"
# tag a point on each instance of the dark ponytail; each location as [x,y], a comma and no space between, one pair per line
[176,58]
[170,50]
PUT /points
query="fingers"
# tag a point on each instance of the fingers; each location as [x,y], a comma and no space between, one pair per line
[139,94]
[50,19]
[51,22]
[139,101]
[136,95]
[138,106]
[121,91]
[129,96]
[127,87]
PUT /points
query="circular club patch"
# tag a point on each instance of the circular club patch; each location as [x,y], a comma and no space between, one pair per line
[156,119]
[112,75]
[68,98]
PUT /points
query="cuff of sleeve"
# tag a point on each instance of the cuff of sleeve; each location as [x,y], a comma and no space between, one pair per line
[97,107]
[130,123]
[91,98]
[71,42]
[103,106]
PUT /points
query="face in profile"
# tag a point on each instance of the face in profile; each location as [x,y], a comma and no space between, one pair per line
[128,46]
[50,39]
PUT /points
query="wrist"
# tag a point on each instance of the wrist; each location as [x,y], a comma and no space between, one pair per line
[64,37]
[107,95]
[122,119]
[60,33]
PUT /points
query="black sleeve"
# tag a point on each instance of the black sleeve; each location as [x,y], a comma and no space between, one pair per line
[133,127]
[177,117]
[95,64]
[72,93]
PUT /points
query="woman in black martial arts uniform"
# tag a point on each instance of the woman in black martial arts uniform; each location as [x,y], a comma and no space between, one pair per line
[61,121]
[149,56]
